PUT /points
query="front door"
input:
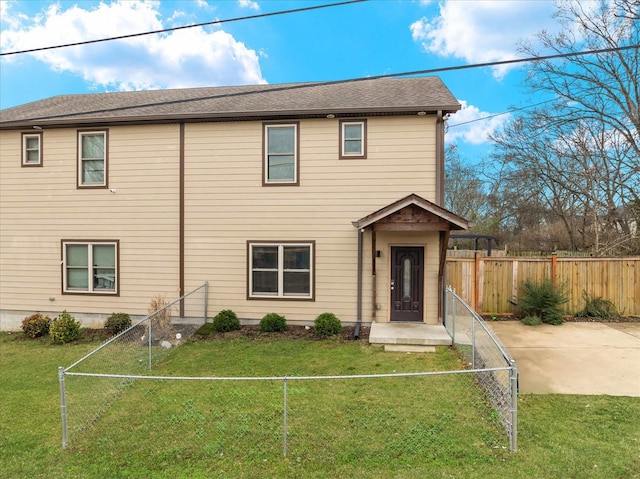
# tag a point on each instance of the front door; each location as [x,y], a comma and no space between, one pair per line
[407,283]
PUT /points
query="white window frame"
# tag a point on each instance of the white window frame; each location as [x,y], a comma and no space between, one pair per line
[26,149]
[91,289]
[281,270]
[82,159]
[296,155]
[363,139]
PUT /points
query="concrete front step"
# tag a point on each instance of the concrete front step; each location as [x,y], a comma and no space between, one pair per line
[409,334]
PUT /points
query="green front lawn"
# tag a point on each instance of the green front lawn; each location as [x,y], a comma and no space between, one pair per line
[435,426]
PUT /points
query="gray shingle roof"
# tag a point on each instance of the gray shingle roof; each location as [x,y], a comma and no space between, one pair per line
[373,96]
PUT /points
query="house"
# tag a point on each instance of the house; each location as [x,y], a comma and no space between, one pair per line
[295,198]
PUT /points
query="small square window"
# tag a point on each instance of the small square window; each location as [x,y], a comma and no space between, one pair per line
[90,267]
[32,149]
[92,159]
[281,154]
[281,270]
[353,139]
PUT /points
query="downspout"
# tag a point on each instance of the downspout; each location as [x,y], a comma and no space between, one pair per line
[356,331]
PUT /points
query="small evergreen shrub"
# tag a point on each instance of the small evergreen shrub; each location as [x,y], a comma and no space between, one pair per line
[116,323]
[36,325]
[273,322]
[226,320]
[542,300]
[531,320]
[598,308]
[327,324]
[64,328]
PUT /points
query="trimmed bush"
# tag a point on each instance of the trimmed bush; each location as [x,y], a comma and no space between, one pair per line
[116,323]
[273,322]
[542,300]
[36,325]
[598,308]
[226,320]
[327,324]
[531,320]
[64,328]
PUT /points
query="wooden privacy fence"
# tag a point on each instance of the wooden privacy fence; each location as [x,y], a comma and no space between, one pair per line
[491,285]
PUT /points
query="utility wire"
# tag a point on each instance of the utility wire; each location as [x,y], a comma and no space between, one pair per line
[216,22]
[488,117]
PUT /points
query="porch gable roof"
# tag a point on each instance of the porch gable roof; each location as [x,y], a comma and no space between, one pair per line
[432,211]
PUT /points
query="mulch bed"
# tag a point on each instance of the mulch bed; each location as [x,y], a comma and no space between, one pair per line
[567,319]
[293,332]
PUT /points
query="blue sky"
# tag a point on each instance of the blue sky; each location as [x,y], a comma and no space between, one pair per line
[365,39]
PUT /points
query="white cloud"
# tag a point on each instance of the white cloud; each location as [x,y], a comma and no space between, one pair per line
[249,4]
[473,127]
[482,31]
[183,58]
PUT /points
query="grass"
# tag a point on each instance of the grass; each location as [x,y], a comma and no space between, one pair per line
[407,427]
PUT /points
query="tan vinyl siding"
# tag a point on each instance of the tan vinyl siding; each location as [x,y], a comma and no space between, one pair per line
[41,208]
[226,205]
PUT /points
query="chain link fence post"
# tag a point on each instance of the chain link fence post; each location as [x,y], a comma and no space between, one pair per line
[63,406]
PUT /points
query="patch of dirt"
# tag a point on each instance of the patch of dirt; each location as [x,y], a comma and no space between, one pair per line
[293,332]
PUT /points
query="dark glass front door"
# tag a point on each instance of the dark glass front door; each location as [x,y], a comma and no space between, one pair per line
[407,283]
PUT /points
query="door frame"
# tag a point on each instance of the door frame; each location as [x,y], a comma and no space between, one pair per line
[394,248]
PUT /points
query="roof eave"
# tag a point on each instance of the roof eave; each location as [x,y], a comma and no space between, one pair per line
[51,122]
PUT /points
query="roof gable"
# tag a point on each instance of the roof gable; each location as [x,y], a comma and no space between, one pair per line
[410,212]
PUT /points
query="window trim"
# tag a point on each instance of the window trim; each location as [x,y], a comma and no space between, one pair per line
[90,290]
[24,137]
[105,183]
[280,296]
[265,149]
[351,156]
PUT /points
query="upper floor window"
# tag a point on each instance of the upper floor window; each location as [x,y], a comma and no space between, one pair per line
[90,267]
[353,139]
[281,270]
[32,149]
[92,158]
[281,154]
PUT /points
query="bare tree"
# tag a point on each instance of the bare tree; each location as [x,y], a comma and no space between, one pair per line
[579,157]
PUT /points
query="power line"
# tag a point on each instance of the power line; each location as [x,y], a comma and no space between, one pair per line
[287,87]
[164,30]
[488,117]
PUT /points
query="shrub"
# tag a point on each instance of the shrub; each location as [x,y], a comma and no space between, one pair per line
[64,328]
[116,323]
[598,308]
[36,325]
[531,320]
[160,319]
[327,324]
[542,300]
[226,320]
[273,322]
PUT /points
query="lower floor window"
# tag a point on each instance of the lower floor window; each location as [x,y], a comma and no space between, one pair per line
[90,267]
[281,270]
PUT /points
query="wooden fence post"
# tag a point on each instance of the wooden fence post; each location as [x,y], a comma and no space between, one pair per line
[554,267]
[477,283]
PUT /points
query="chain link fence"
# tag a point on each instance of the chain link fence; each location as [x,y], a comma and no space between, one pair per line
[496,372]
[132,352]
[405,416]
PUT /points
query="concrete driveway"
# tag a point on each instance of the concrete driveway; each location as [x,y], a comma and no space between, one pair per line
[574,358]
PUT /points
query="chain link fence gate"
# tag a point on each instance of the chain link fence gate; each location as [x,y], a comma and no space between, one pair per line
[496,371]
